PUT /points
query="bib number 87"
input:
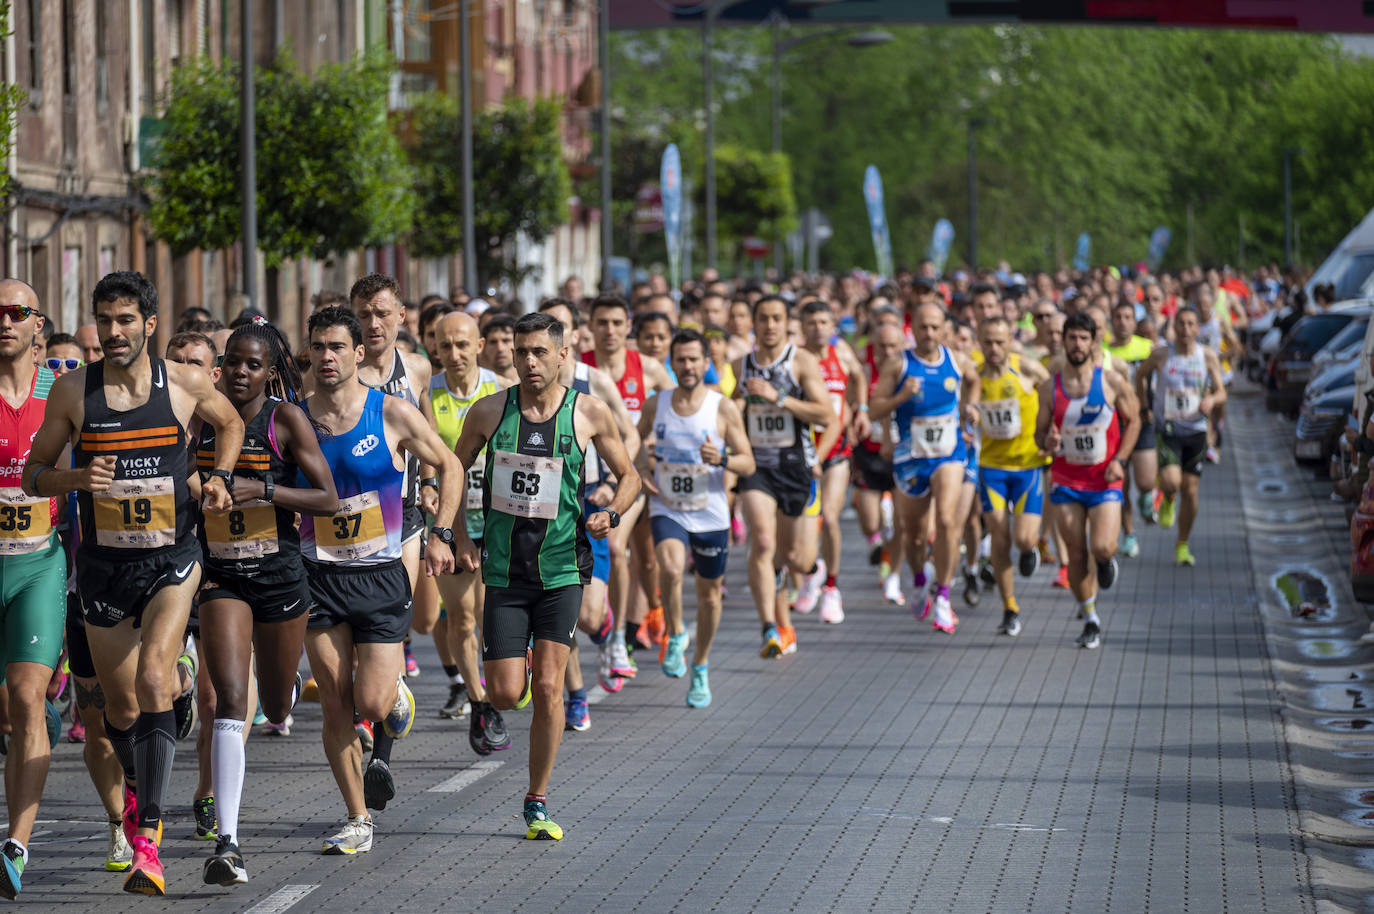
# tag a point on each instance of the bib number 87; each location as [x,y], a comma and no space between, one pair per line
[137,511]
[15,517]
[524,483]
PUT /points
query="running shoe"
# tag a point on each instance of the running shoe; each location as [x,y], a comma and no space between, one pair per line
[919,604]
[207,819]
[1028,563]
[971,596]
[131,817]
[1091,638]
[1130,546]
[1166,513]
[364,730]
[1011,624]
[118,853]
[985,573]
[54,721]
[528,694]
[787,635]
[397,724]
[538,825]
[674,658]
[885,565]
[76,733]
[809,594]
[1145,503]
[185,705]
[699,695]
[607,629]
[281,729]
[1213,455]
[487,729]
[892,589]
[1106,573]
[945,620]
[772,643]
[620,663]
[875,553]
[832,606]
[1062,578]
[1184,556]
[355,838]
[226,866]
[457,704]
[1046,553]
[259,718]
[11,870]
[576,716]
[378,785]
[604,675]
[311,690]
[145,872]
[654,626]
[412,667]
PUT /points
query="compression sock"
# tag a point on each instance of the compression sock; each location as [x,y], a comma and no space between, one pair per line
[381,742]
[1088,608]
[155,746]
[123,743]
[226,768]
[942,591]
[577,695]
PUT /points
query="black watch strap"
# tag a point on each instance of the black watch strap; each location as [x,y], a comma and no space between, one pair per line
[445,534]
[615,517]
[225,475]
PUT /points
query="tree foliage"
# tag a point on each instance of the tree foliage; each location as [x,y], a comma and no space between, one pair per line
[753,194]
[11,99]
[1110,131]
[520,181]
[331,175]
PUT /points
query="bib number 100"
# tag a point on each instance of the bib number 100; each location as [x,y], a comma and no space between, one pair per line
[772,423]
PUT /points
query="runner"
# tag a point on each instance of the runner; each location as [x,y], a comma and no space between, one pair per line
[842,373]
[452,393]
[1126,346]
[1009,463]
[139,562]
[931,390]
[536,558]
[1188,384]
[254,598]
[498,347]
[33,571]
[359,589]
[1215,333]
[875,486]
[696,435]
[785,397]
[631,545]
[1078,424]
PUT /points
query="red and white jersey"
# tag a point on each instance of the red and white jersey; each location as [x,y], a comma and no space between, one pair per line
[26,523]
[836,380]
[630,384]
[1090,435]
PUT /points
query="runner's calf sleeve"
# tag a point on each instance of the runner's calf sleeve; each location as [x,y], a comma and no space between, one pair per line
[226,766]
[123,743]
[381,742]
[155,745]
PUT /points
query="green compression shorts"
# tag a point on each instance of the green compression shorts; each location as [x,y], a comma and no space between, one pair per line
[33,599]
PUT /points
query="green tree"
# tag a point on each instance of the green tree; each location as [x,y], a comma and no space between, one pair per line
[520,181]
[11,99]
[331,175]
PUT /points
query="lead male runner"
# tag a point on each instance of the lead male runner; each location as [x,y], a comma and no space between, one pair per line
[139,563]
[535,557]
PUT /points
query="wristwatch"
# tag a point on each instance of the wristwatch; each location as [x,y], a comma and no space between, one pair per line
[225,475]
[615,516]
[445,534]
[269,488]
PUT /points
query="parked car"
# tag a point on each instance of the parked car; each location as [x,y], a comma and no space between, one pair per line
[1343,348]
[1322,418]
[1291,367]
[1350,267]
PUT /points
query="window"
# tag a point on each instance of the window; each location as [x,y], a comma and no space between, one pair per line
[68,49]
[35,41]
[102,61]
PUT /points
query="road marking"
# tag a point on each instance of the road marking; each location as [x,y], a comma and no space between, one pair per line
[465,777]
[281,899]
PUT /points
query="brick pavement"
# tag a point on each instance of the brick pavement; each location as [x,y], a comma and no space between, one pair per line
[882,768]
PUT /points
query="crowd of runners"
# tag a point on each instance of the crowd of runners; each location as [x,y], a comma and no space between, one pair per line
[177,531]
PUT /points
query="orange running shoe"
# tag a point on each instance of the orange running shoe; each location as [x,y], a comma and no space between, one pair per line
[1062,579]
[656,626]
[787,634]
[145,874]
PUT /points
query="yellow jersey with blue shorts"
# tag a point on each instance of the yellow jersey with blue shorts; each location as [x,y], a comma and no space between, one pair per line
[1009,463]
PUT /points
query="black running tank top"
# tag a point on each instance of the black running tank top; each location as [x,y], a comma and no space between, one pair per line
[148,506]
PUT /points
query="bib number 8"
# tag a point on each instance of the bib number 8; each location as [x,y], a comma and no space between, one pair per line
[137,511]
[15,517]
[236,525]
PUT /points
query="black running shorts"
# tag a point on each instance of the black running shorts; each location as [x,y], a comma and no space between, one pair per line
[510,615]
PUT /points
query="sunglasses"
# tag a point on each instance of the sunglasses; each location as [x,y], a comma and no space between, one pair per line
[1041,317]
[17,313]
[69,364]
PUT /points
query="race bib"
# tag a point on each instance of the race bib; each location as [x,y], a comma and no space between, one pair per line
[1181,405]
[682,486]
[476,480]
[136,513]
[934,436]
[25,523]
[525,486]
[248,531]
[1001,419]
[1086,445]
[357,530]
[771,426]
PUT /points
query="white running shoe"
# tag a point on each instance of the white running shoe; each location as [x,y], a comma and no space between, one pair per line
[620,660]
[832,606]
[810,591]
[356,838]
[608,680]
[120,854]
[945,620]
[892,589]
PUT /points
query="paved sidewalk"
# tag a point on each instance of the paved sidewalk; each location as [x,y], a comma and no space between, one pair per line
[883,768]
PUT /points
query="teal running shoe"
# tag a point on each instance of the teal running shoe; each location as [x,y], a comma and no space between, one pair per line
[674,660]
[699,695]
[538,825]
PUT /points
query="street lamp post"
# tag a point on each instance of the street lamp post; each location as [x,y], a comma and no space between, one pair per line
[465,101]
[247,142]
[708,90]
[604,52]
